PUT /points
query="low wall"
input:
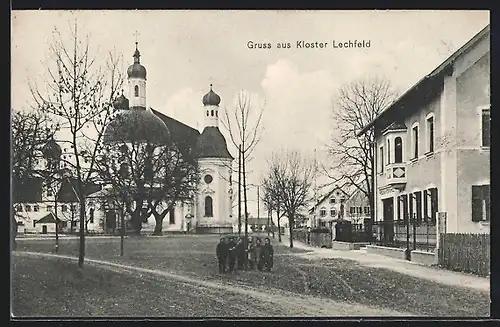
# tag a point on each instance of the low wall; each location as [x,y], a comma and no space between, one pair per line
[396,253]
[424,257]
[213,230]
[337,245]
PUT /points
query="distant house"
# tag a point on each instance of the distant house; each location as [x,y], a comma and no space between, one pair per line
[340,203]
[433,148]
[36,204]
[260,224]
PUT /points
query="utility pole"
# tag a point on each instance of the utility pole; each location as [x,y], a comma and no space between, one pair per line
[57,223]
[245,193]
[258,206]
[239,191]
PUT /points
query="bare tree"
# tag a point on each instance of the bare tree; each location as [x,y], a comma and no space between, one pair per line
[152,176]
[244,125]
[272,201]
[79,94]
[31,132]
[291,178]
[356,105]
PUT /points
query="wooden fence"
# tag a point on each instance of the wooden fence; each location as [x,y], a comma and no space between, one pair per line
[469,253]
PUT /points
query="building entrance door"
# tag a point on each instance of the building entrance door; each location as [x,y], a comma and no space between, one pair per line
[388,220]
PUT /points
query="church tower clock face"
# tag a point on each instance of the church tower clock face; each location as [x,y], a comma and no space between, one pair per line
[208,178]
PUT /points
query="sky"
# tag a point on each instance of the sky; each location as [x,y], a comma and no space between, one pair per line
[186,51]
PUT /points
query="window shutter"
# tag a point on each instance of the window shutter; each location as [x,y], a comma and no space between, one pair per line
[400,198]
[486,198]
[410,203]
[418,209]
[434,204]
[477,208]
[426,209]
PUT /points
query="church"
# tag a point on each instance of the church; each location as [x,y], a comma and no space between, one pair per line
[210,210]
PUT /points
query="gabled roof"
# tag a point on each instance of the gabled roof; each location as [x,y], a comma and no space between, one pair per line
[182,135]
[327,195]
[67,193]
[422,83]
[48,219]
[27,190]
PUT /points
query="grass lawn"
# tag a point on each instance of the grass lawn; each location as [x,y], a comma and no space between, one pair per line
[337,279]
[57,288]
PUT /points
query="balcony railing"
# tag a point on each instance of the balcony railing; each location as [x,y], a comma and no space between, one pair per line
[396,174]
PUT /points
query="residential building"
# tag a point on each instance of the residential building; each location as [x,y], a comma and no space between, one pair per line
[345,203]
[432,149]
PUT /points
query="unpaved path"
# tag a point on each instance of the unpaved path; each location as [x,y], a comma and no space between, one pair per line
[413,269]
[291,303]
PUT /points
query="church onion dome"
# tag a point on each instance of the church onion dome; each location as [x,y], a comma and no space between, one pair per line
[51,150]
[121,103]
[137,125]
[211,98]
[212,144]
[136,70]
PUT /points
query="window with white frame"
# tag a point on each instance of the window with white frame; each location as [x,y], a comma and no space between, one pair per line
[414,140]
[322,212]
[429,121]
[332,201]
[398,150]
[333,212]
[485,127]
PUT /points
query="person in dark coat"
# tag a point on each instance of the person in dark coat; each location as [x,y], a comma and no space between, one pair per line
[250,262]
[231,260]
[258,254]
[240,253]
[222,254]
[267,254]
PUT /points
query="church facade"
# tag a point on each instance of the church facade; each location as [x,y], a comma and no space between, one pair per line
[210,209]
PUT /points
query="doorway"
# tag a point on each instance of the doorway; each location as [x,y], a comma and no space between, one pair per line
[388,205]
[44,229]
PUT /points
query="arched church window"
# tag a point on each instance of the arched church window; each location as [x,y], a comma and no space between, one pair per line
[136,90]
[209,212]
[398,150]
[212,113]
[216,113]
[208,113]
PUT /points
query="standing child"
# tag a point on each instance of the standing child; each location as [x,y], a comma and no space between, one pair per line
[258,254]
[267,254]
[222,253]
[232,255]
[250,254]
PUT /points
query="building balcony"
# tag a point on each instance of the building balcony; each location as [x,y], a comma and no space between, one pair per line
[396,175]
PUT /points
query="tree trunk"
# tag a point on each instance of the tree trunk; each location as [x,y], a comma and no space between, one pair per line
[136,219]
[82,230]
[279,227]
[245,193]
[158,225]
[290,228]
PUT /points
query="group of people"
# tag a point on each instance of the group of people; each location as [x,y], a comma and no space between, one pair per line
[240,254]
